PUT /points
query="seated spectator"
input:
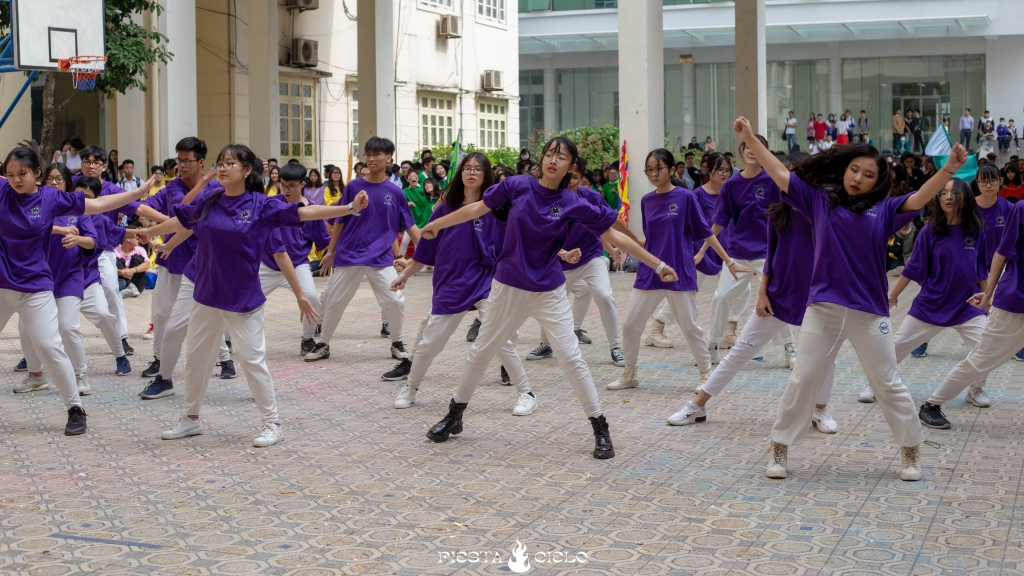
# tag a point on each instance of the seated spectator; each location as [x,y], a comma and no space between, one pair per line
[132,263]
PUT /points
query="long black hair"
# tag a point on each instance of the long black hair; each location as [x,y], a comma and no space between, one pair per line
[64,173]
[970,218]
[663,156]
[826,170]
[247,158]
[781,213]
[562,144]
[455,194]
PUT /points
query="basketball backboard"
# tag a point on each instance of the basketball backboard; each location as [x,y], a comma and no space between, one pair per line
[46,31]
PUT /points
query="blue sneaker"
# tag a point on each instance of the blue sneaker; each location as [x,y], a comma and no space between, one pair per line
[158,388]
[22,366]
[541,352]
[123,366]
[1020,355]
[921,351]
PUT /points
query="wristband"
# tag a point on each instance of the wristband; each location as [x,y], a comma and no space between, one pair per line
[561,255]
[730,263]
[352,209]
[947,171]
[660,267]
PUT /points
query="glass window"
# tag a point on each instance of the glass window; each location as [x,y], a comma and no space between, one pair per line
[445,4]
[295,90]
[298,120]
[283,89]
[491,9]
[588,97]
[531,104]
[492,125]
[437,119]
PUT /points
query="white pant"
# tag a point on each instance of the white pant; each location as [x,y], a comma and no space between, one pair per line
[406,239]
[342,286]
[70,335]
[164,295]
[507,309]
[177,329]
[591,281]
[271,280]
[737,310]
[913,333]
[757,333]
[97,312]
[39,313]
[435,330]
[206,328]
[108,277]
[1001,339]
[734,293]
[822,333]
[643,303]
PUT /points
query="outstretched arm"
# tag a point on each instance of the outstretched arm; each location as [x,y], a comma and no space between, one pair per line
[465,214]
[772,165]
[167,227]
[984,299]
[306,310]
[167,247]
[731,264]
[210,174]
[360,202]
[918,200]
[616,238]
[115,201]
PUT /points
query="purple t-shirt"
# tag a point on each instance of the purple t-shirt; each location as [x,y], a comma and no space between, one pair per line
[25,223]
[232,237]
[462,277]
[744,203]
[66,264]
[366,239]
[108,237]
[948,268]
[579,237]
[995,218]
[538,224]
[108,189]
[849,248]
[671,222]
[788,269]
[163,202]
[1010,290]
[711,264]
[296,241]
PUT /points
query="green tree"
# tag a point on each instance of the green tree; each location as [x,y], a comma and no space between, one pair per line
[130,47]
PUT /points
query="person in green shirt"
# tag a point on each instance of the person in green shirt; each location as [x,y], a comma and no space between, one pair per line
[419,204]
[610,189]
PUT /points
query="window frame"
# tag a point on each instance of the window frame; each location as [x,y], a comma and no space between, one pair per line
[426,113]
[299,102]
[492,136]
[495,5]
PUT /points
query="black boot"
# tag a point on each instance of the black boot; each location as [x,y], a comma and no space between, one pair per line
[450,424]
[602,440]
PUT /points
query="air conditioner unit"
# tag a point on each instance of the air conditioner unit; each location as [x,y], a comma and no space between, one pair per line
[305,52]
[451,26]
[492,80]
[302,5]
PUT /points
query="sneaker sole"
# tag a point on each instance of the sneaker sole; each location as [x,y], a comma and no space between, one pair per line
[148,374]
[947,426]
[397,407]
[866,401]
[687,422]
[325,357]
[74,433]
[275,442]
[970,400]
[919,355]
[160,395]
[604,455]
[394,378]
[180,436]
[528,357]
[47,387]
[814,424]
[911,478]
[122,373]
[776,475]
[648,342]
[614,387]
[84,392]
[532,410]
[228,376]
[21,369]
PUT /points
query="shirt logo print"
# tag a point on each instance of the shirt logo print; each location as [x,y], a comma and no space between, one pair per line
[759,193]
[387,199]
[969,243]
[556,212]
[871,212]
[73,220]
[884,327]
[1000,222]
[478,224]
[35,212]
[673,209]
[244,216]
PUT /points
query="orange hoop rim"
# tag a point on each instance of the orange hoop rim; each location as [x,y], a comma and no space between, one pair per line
[85,64]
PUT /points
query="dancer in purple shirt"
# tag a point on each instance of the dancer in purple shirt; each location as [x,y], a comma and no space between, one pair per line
[528,280]
[844,194]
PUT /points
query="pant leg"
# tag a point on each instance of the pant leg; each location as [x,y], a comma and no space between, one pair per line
[509,357]
[393,303]
[665,314]
[95,310]
[1000,340]
[177,329]
[507,310]
[164,295]
[755,335]
[598,284]
[642,303]
[39,311]
[122,283]
[871,337]
[309,291]
[32,360]
[684,306]
[434,333]
[205,331]
[341,288]
[970,332]
[249,343]
[68,325]
[729,290]
[551,309]
[108,278]
[404,246]
[913,333]
[740,307]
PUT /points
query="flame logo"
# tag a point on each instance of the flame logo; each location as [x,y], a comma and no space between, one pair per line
[519,562]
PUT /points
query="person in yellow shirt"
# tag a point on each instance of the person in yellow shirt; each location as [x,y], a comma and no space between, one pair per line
[273,188]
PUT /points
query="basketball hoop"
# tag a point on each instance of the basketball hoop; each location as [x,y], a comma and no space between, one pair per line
[84,70]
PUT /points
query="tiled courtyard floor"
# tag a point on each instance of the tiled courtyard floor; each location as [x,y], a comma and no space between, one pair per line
[356,488]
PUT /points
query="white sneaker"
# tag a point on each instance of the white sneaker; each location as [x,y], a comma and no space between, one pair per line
[688,414]
[133,292]
[186,427]
[790,356]
[31,384]
[271,434]
[978,397]
[406,397]
[526,405]
[866,395]
[702,379]
[627,380]
[911,471]
[823,421]
[713,350]
[84,389]
[777,461]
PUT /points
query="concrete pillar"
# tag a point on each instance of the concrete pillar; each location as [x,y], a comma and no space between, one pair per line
[129,126]
[751,63]
[238,79]
[689,101]
[835,86]
[264,115]
[19,124]
[1003,96]
[550,100]
[178,108]
[641,94]
[154,142]
[375,63]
